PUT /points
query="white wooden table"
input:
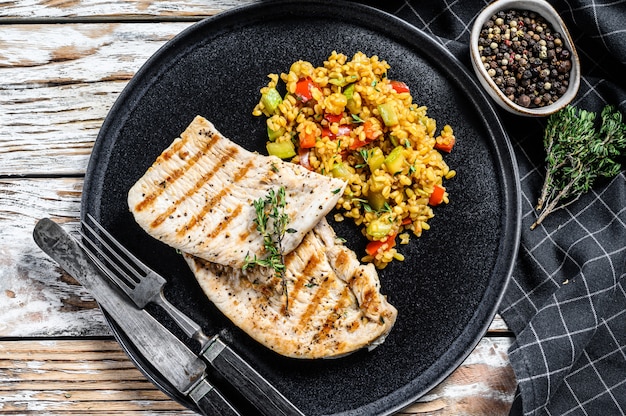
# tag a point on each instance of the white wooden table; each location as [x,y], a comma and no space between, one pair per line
[62,65]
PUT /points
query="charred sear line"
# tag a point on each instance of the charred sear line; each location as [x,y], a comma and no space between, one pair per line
[320,294]
[306,276]
[178,173]
[225,222]
[329,325]
[190,192]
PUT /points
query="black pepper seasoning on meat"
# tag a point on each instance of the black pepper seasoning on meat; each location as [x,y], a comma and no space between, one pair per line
[526,57]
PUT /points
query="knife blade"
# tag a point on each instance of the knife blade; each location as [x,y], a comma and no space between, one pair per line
[166,353]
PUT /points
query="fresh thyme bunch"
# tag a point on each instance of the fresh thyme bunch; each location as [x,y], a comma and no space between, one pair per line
[271,221]
[578,154]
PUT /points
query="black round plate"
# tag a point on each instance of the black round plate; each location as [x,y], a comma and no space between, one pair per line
[448,288]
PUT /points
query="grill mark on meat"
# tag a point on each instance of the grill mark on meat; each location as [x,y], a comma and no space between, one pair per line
[354,325]
[165,156]
[297,286]
[311,265]
[244,235]
[204,211]
[334,316]
[204,179]
[223,224]
[210,204]
[368,294]
[319,295]
[303,276]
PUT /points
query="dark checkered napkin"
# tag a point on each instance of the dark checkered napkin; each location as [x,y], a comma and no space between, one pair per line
[566,302]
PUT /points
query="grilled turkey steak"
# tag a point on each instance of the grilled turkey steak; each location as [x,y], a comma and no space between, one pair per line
[198,197]
[332,305]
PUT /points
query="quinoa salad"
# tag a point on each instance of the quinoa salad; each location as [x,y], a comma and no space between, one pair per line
[350,120]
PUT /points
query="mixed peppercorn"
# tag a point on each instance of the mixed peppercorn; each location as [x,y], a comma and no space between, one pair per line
[526,58]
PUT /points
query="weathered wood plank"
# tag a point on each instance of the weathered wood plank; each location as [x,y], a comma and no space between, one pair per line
[483,385]
[39,376]
[73,53]
[57,84]
[51,130]
[37,9]
[37,298]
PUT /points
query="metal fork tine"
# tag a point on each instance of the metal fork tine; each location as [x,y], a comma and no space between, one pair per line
[110,274]
[137,263]
[132,279]
[144,288]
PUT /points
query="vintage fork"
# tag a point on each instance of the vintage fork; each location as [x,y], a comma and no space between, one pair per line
[140,283]
[143,286]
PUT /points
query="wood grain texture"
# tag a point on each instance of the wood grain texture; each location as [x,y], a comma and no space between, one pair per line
[37,298]
[37,9]
[96,377]
[483,385]
[75,377]
[57,84]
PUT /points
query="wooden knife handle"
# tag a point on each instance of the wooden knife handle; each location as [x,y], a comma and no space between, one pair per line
[210,401]
[264,396]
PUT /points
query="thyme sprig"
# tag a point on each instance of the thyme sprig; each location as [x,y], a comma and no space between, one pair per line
[272,221]
[578,154]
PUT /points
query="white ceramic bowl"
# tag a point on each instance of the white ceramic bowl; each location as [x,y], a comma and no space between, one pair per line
[545,10]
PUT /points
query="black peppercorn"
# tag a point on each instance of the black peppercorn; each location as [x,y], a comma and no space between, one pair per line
[523,100]
[564,66]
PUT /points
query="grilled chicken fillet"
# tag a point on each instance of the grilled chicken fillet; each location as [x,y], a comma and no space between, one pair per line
[198,196]
[332,305]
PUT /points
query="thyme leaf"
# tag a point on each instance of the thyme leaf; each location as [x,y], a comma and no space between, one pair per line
[577,153]
[357,119]
[271,221]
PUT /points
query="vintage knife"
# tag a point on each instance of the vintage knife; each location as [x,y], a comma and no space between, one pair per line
[166,353]
[121,266]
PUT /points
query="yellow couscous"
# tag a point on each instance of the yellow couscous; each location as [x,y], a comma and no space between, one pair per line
[349,120]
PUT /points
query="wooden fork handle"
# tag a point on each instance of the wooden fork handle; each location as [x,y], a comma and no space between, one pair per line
[263,395]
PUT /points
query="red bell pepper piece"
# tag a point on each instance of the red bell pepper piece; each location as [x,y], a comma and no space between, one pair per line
[436,197]
[445,144]
[373,246]
[307,140]
[333,118]
[304,158]
[304,88]
[399,86]
[344,130]
[371,134]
